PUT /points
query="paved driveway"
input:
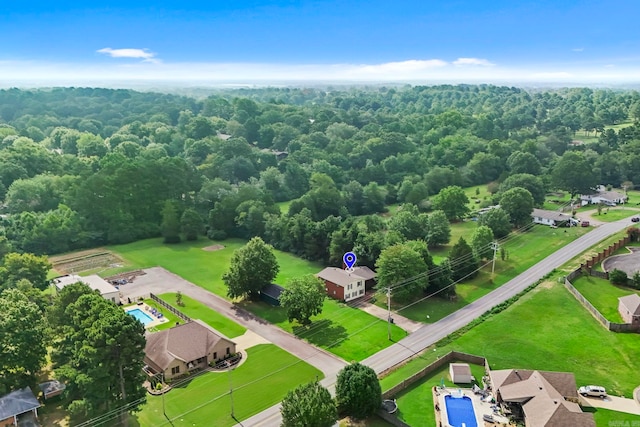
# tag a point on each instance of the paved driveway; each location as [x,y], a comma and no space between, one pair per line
[629,263]
[614,403]
[157,280]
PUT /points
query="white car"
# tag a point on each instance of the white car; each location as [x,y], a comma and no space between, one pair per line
[592,391]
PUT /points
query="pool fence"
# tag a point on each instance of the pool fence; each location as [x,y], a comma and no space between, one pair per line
[171,308]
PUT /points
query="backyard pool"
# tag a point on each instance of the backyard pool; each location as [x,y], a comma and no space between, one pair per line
[460,411]
[142,317]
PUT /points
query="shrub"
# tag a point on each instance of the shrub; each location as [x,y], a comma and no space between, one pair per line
[618,277]
[216,235]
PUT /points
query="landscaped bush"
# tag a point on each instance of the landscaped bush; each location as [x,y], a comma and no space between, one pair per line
[618,277]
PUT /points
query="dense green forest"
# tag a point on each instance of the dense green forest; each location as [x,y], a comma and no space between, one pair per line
[86,167]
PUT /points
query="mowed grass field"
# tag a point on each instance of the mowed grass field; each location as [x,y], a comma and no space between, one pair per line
[260,382]
[524,250]
[204,268]
[603,295]
[345,331]
[546,329]
[196,310]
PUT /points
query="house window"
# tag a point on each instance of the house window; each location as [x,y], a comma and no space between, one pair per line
[228,350]
[175,370]
[347,296]
[215,355]
[361,291]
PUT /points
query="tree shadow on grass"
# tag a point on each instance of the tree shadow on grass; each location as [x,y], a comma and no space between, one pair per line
[260,311]
[323,333]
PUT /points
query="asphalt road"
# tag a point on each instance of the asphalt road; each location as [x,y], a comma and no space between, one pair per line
[432,333]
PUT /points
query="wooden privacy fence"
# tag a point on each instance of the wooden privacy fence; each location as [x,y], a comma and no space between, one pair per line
[170,308]
[452,356]
[587,268]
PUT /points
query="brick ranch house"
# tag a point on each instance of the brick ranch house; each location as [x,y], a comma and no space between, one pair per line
[346,285]
[185,348]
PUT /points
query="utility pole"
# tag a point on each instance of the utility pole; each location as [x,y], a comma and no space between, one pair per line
[231,394]
[494,246]
[389,314]
[163,391]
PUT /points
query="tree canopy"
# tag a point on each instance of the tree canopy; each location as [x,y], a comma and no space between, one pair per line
[105,372]
[22,340]
[252,267]
[308,405]
[358,392]
[302,298]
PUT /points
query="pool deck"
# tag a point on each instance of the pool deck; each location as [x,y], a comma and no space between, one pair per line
[479,407]
[147,310]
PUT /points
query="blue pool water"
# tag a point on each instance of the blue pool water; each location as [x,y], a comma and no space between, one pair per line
[460,411]
[142,317]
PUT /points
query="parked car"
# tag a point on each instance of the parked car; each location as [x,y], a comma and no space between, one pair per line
[584,224]
[635,219]
[593,391]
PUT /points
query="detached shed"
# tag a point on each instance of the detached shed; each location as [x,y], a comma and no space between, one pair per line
[460,373]
[52,388]
[271,294]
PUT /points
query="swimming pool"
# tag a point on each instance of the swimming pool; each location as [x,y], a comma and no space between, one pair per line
[142,317]
[460,411]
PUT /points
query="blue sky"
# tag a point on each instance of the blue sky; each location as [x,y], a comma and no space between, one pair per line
[289,40]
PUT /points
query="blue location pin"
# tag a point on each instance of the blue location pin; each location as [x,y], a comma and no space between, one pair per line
[349,260]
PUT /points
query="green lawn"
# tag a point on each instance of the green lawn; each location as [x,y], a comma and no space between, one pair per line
[415,404]
[197,310]
[260,382]
[613,214]
[525,249]
[607,418]
[546,329]
[476,195]
[348,332]
[367,334]
[204,268]
[603,295]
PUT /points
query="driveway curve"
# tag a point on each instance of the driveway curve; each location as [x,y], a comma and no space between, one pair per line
[629,263]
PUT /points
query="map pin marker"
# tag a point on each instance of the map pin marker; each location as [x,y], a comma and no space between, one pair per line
[349,260]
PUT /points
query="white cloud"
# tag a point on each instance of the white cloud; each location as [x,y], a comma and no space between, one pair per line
[129,53]
[578,49]
[473,61]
